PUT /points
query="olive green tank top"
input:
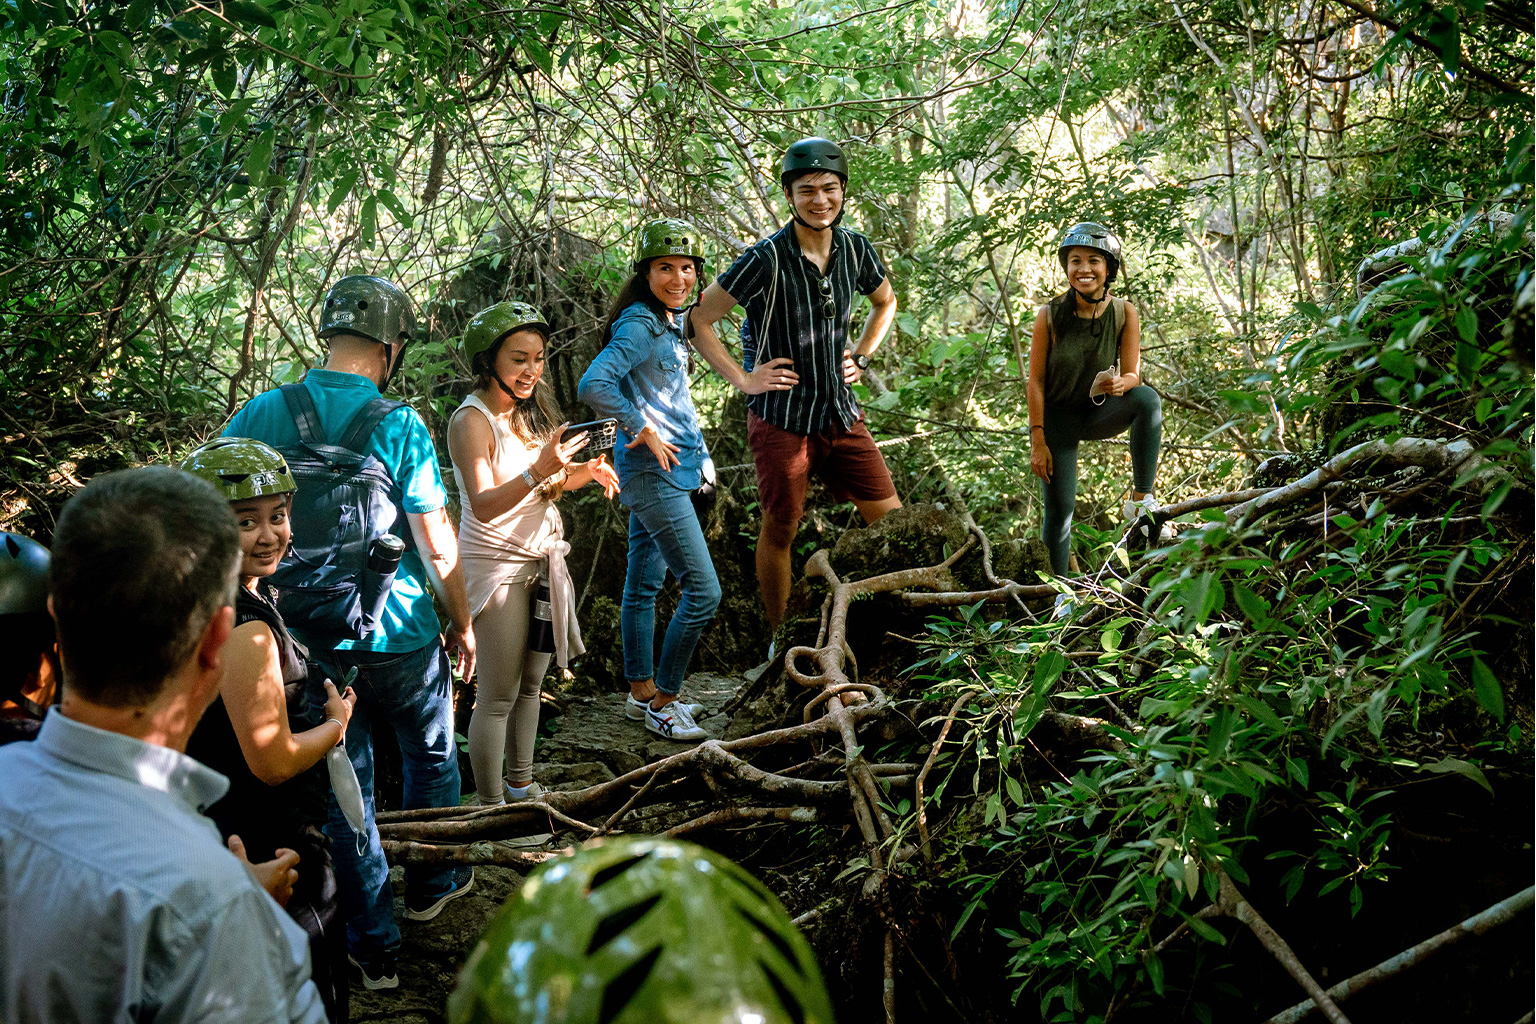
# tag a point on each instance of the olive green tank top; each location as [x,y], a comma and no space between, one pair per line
[1079,353]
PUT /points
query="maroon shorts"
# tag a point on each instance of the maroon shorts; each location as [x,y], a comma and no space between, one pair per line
[846,460]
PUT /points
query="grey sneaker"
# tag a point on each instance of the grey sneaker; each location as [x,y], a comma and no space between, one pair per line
[425,906]
[674,722]
[634,710]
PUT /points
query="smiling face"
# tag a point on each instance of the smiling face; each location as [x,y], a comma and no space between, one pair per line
[1087,271]
[817,198]
[520,361]
[672,279]
[264,532]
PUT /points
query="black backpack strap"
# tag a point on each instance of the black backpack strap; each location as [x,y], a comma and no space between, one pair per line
[365,422]
[305,416]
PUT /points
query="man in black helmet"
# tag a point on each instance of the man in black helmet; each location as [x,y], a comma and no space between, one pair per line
[403,672]
[798,365]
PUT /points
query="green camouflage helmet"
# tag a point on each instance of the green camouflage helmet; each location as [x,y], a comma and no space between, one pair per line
[368,306]
[669,238]
[1091,236]
[640,931]
[240,468]
[493,323]
[812,155]
[23,576]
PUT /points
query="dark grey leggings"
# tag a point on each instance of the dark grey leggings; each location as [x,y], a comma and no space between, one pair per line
[1140,409]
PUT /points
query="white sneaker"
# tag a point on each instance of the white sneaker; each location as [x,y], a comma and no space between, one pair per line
[634,710]
[674,722]
[532,842]
[1138,508]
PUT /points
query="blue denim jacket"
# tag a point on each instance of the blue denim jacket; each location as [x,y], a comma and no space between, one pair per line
[641,377]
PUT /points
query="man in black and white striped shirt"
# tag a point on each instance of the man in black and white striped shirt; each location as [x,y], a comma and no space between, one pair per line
[798,287]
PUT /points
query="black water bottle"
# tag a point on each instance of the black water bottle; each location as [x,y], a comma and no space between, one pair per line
[383,560]
[384,555]
[541,630]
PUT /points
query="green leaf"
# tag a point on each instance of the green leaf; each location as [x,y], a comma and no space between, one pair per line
[368,222]
[1458,766]
[247,13]
[395,206]
[259,157]
[1489,693]
[1015,791]
[540,56]
[225,79]
[341,191]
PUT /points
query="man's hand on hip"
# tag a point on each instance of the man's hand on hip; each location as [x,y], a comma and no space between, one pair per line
[774,375]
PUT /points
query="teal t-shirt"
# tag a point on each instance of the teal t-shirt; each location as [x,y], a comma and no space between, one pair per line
[403,444]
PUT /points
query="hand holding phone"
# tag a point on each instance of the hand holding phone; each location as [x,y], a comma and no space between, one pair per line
[600,434]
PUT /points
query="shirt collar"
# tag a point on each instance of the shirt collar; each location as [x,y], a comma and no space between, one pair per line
[336,378]
[112,753]
[792,242]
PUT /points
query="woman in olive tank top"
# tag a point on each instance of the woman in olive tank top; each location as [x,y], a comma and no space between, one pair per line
[1085,384]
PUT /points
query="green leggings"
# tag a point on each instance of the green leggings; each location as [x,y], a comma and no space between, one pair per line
[1139,409]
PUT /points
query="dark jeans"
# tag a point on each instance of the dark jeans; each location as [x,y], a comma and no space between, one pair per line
[415,693]
[1139,409]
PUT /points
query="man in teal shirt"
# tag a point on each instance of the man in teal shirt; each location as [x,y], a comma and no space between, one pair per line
[402,666]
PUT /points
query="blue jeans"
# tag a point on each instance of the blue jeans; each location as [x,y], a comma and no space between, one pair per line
[1140,410]
[664,534]
[415,692]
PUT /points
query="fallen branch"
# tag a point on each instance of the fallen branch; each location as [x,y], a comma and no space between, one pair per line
[399,852]
[1437,456]
[737,815]
[1500,913]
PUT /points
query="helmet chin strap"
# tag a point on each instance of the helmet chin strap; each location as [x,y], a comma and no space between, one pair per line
[503,385]
[392,366]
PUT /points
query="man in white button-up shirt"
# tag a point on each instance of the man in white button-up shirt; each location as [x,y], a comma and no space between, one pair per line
[118,902]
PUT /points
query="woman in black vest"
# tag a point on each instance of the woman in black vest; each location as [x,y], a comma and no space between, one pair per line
[1085,384]
[261,731]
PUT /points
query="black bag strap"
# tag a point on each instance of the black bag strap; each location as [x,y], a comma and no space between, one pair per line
[305,416]
[366,422]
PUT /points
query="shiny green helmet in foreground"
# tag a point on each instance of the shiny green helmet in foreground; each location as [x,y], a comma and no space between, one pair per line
[641,931]
[493,323]
[240,468]
[669,238]
[368,306]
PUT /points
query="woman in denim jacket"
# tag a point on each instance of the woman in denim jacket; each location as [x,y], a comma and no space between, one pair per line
[641,379]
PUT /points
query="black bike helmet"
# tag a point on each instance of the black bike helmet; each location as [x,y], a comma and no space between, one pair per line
[23,575]
[26,629]
[809,156]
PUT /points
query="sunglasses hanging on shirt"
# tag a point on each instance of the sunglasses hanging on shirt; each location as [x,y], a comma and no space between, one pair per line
[828,304]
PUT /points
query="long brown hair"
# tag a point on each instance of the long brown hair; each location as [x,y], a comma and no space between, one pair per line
[533,421]
[638,289]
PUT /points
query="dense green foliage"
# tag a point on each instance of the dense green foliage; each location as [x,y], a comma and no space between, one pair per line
[181,183]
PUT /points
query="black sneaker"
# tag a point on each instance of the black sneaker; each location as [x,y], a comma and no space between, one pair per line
[378,969]
[426,906]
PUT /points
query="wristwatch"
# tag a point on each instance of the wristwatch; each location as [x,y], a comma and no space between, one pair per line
[860,360]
